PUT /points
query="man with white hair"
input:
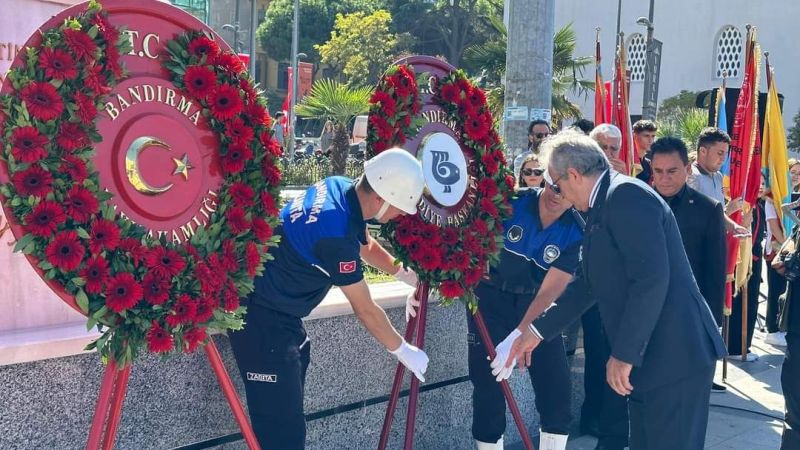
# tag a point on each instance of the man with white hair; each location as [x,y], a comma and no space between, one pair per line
[609,138]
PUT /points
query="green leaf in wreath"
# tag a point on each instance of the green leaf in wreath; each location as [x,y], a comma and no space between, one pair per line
[82,233]
[82,300]
[23,242]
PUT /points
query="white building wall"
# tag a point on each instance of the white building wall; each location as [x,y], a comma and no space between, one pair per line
[688,30]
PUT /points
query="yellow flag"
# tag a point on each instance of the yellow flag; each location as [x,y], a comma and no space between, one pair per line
[774,156]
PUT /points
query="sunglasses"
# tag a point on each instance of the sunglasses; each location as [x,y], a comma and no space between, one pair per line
[532,172]
[553,185]
[541,135]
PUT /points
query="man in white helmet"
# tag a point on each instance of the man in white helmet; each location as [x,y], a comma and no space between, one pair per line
[323,242]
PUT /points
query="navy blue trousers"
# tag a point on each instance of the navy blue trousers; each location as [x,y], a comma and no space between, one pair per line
[549,372]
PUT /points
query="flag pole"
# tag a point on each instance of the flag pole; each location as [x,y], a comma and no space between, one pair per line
[726,316]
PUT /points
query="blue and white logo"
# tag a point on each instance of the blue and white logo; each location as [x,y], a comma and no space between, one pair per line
[551,253]
[445,168]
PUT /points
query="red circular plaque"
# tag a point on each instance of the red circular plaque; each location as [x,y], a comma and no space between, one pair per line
[157,155]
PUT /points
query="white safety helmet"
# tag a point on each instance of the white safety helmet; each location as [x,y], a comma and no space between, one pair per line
[396,176]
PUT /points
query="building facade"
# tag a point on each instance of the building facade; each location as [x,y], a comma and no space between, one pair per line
[701,39]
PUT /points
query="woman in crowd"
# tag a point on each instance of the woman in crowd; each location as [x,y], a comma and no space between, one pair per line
[531,173]
[326,138]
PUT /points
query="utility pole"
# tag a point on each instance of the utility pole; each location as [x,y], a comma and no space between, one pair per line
[651,69]
[293,98]
[253,26]
[529,69]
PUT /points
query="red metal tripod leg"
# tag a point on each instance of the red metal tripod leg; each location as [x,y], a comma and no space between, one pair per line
[230,394]
[117,399]
[512,404]
[102,406]
[398,381]
[411,416]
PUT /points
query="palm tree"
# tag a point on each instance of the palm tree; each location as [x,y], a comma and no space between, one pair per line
[332,100]
[489,59]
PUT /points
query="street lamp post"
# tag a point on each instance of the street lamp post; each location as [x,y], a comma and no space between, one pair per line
[650,78]
[253,26]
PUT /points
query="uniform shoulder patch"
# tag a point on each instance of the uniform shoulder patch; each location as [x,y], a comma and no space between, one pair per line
[551,253]
[514,233]
[347,267]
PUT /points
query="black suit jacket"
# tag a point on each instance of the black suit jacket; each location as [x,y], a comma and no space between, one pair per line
[635,268]
[701,223]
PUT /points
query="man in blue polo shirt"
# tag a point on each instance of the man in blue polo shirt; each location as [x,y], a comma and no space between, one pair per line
[323,242]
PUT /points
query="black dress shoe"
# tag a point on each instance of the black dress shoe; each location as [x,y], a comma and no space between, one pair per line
[718,388]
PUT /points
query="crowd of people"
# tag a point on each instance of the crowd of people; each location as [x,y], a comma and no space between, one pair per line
[639,261]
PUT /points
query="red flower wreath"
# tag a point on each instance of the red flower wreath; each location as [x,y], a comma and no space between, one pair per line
[140,292]
[452,259]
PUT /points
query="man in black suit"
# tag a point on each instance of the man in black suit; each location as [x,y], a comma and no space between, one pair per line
[700,220]
[664,341]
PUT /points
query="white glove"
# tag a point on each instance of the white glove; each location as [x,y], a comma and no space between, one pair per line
[407,276]
[413,358]
[503,351]
[411,305]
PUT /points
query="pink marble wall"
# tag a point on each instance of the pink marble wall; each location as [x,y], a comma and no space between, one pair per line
[25,300]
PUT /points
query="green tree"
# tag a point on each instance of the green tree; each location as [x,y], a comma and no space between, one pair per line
[793,138]
[672,107]
[684,123]
[316,22]
[360,47]
[487,61]
[332,100]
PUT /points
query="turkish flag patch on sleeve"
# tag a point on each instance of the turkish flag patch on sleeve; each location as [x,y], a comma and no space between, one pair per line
[347,267]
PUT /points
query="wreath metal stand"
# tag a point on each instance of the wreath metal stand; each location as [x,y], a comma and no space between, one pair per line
[417,325]
[108,410]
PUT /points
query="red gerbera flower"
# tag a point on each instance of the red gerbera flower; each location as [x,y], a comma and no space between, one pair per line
[239,132]
[387,103]
[71,136]
[159,340]
[381,126]
[200,81]
[510,183]
[87,110]
[229,258]
[236,157]
[242,194]
[204,309]
[252,258]
[231,298]
[156,288]
[430,234]
[225,102]
[202,45]
[45,218]
[402,82]
[249,90]
[268,203]
[405,235]
[122,292]
[258,115]
[460,261]
[451,289]
[490,164]
[261,229]
[231,63]
[450,93]
[95,273]
[81,204]
[429,258]
[237,222]
[193,338]
[109,32]
[487,187]
[75,168]
[105,235]
[65,252]
[96,80]
[80,43]
[473,275]
[134,249]
[489,207]
[271,173]
[27,144]
[57,64]
[42,100]
[182,312]
[477,98]
[476,128]
[112,61]
[33,181]
[271,145]
[450,236]
[167,263]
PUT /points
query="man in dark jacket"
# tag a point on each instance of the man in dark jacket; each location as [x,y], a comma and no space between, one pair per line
[700,221]
[664,341]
